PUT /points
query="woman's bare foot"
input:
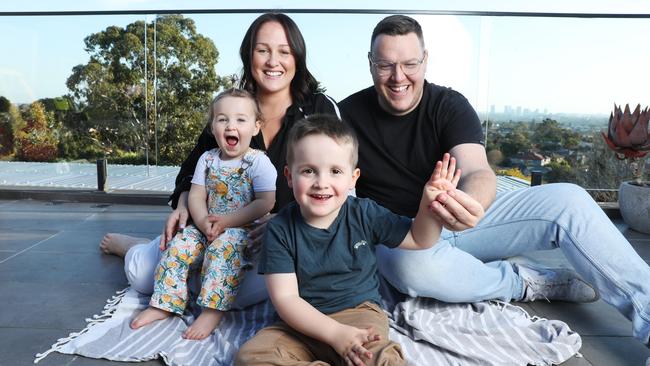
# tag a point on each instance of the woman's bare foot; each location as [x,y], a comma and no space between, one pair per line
[149,315]
[204,325]
[119,244]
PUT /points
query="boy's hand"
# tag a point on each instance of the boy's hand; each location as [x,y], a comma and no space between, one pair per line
[445,177]
[349,342]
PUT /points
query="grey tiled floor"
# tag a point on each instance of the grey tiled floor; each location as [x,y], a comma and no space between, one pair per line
[53,276]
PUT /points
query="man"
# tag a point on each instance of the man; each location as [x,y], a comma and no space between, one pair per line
[404,125]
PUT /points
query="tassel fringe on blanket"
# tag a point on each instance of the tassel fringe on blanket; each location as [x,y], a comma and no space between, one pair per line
[107,313]
[430,332]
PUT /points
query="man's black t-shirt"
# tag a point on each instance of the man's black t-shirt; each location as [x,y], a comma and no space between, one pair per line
[397,154]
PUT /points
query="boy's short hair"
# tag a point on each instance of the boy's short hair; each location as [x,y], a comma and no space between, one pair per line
[323,124]
[237,93]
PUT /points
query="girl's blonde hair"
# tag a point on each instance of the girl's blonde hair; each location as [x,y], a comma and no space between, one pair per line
[237,93]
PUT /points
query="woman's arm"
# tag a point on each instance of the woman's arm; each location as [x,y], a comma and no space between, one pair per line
[176,220]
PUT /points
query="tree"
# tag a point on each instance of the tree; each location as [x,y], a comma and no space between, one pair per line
[602,168]
[10,122]
[516,141]
[5,104]
[550,136]
[72,128]
[560,171]
[37,141]
[117,96]
[495,157]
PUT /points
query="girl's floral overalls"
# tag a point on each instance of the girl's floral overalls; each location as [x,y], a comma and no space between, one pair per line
[229,189]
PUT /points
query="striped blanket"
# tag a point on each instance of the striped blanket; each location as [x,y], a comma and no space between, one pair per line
[430,332]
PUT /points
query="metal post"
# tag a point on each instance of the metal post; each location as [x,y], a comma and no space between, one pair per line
[101,175]
[535,178]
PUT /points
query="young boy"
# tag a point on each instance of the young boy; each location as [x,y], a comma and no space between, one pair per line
[318,257]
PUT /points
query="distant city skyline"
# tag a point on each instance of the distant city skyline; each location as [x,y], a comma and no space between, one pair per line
[562,65]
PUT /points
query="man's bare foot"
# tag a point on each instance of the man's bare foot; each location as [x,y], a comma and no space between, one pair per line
[149,315]
[204,325]
[119,244]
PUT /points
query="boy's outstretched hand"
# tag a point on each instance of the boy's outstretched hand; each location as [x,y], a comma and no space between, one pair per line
[453,208]
[445,177]
[350,342]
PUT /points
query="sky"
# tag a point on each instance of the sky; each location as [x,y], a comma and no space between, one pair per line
[558,64]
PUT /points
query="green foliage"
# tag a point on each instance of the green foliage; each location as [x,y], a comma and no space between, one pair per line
[10,122]
[515,141]
[560,171]
[5,104]
[59,105]
[37,141]
[549,136]
[128,158]
[495,157]
[73,146]
[602,169]
[6,134]
[513,172]
[583,159]
[117,97]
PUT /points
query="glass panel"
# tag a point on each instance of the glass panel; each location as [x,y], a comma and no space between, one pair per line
[65,105]
[552,85]
[544,85]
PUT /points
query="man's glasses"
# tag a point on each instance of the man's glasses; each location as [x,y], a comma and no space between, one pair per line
[385,68]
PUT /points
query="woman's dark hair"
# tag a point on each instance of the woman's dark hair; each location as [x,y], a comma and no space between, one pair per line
[303,83]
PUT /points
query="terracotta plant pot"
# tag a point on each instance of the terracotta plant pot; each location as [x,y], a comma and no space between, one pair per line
[634,203]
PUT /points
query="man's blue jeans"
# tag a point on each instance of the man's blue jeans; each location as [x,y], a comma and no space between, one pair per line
[467,266]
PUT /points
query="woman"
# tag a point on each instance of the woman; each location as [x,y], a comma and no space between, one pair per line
[274,60]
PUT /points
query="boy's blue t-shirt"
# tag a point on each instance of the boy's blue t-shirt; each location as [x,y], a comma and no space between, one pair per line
[336,267]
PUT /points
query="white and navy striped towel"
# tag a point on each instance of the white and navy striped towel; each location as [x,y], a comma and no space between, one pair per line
[430,332]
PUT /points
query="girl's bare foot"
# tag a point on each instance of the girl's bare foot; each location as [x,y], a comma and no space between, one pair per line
[204,324]
[119,244]
[149,315]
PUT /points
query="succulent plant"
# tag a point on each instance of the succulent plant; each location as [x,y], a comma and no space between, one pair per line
[628,132]
[628,135]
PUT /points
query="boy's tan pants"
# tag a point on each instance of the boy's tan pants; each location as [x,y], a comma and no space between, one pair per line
[279,344]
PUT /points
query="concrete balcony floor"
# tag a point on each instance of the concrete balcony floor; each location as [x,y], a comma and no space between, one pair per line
[53,276]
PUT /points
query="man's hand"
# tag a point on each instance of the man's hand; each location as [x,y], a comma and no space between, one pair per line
[175,221]
[456,210]
[350,343]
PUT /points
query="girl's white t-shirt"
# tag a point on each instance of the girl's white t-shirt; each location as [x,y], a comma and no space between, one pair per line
[261,171]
